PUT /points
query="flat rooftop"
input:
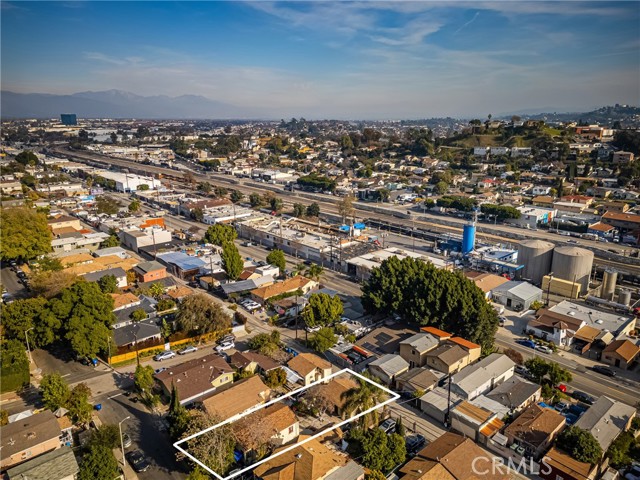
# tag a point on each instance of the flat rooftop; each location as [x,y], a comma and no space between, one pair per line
[593,317]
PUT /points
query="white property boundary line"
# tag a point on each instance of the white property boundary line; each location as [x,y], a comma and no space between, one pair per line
[394,397]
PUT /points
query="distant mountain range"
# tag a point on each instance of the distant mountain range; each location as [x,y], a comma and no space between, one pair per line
[116,104]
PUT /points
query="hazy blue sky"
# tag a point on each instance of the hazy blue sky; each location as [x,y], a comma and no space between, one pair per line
[333,59]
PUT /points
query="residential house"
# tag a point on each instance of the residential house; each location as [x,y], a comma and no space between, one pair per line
[132,333]
[29,437]
[440,334]
[119,274]
[621,353]
[437,402]
[388,367]
[475,422]
[486,282]
[625,222]
[448,358]
[59,464]
[554,327]
[262,294]
[482,377]
[473,349]
[417,380]
[385,339]
[271,426]
[183,266]
[452,456]
[252,362]
[196,379]
[606,419]
[516,295]
[150,271]
[64,221]
[414,349]
[534,430]
[333,393]
[238,398]
[310,367]
[516,393]
[151,237]
[311,460]
[602,230]
[622,158]
[559,465]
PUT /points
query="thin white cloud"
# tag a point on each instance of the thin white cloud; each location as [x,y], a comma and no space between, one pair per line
[466,24]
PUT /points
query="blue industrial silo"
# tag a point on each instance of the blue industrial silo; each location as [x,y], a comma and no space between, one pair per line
[468,238]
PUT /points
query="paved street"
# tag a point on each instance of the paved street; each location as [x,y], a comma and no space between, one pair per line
[9,279]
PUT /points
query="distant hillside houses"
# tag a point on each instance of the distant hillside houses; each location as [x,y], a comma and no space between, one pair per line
[514,151]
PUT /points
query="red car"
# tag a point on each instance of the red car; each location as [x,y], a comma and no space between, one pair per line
[562,388]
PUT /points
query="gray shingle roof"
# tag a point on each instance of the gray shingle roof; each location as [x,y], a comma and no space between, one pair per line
[474,376]
[421,342]
[55,465]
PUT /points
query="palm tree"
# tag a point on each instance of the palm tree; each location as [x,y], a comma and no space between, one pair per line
[315,271]
[361,398]
[156,290]
[300,269]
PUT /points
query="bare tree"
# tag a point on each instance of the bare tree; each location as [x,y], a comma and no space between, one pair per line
[345,208]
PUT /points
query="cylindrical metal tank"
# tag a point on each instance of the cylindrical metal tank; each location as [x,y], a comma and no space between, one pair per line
[468,238]
[574,265]
[624,297]
[609,280]
[536,257]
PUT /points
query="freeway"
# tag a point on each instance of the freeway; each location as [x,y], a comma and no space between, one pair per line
[430,222]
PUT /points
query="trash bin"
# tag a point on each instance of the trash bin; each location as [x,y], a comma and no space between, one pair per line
[95,362]
[98,406]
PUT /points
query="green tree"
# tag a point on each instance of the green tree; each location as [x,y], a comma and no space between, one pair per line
[377,450]
[178,415]
[557,374]
[361,398]
[536,305]
[232,262]
[27,157]
[112,241]
[199,313]
[198,473]
[299,210]
[425,295]
[143,378]
[78,404]
[107,436]
[4,418]
[275,378]
[266,344]
[165,304]
[49,264]
[313,210]
[220,234]
[134,206]
[55,391]
[22,315]
[255,200]
[236,196]
[619,451]
[108,284]
[375,475]
[138,315]
[580,444]
[108,205]
[276,204]
[276,258]
[98,463]
[24,234]
[322,310]
[538,368]
[323,340]
[156,290]
[315,271]
[86,315]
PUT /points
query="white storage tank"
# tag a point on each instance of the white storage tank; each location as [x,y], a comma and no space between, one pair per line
[536,256]
[624,297]
[609,280]
[574,265]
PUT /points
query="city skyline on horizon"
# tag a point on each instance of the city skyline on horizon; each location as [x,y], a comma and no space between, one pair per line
[332,59]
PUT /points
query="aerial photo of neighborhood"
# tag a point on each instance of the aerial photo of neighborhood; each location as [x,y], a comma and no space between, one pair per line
[320,240]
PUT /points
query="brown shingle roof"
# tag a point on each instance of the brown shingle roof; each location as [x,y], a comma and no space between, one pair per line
[563,462]
[624,348]
[305,363]
[488,281]
[624,217]
[237,398]
[288,285]
[122,299]
[29,432]
[448,353]
[535,424]
[243,359]
[257,428]
[587,333]
[195,376]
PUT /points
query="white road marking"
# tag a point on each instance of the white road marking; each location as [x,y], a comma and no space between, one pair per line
[68,374]
[114,396]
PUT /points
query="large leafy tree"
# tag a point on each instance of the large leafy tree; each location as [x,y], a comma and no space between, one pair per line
[425,295]
[79,407]
[22,315]
[98,463]
[220,234]
[377,450]
[55,391]
[276,258]
[214,448]
[361,398]
[86,315]
[541,370]
[231,260]
[323,340]
[108,205]
[108,284]
[178,416]
[580,444]
[24,234]
[143,378]
[322,309]
[199,313]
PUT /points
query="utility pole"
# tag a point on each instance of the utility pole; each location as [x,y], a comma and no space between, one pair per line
[28,348]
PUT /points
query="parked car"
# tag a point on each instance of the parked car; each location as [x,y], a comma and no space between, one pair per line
[544,349]
[388,426]
[583,397]
[604,370]
[562,387]
[561,406]
[189,349]
[226,338]
[501,320]
[160,370]
[164,356]
[521,370]
[137,461]
[526,343]
[228,345]
[414,443]
[126,440]
[312,329]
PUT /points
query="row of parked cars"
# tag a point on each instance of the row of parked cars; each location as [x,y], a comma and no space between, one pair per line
[225,343]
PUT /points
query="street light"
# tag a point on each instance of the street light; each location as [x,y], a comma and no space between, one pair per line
[27,338]
[121,441]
